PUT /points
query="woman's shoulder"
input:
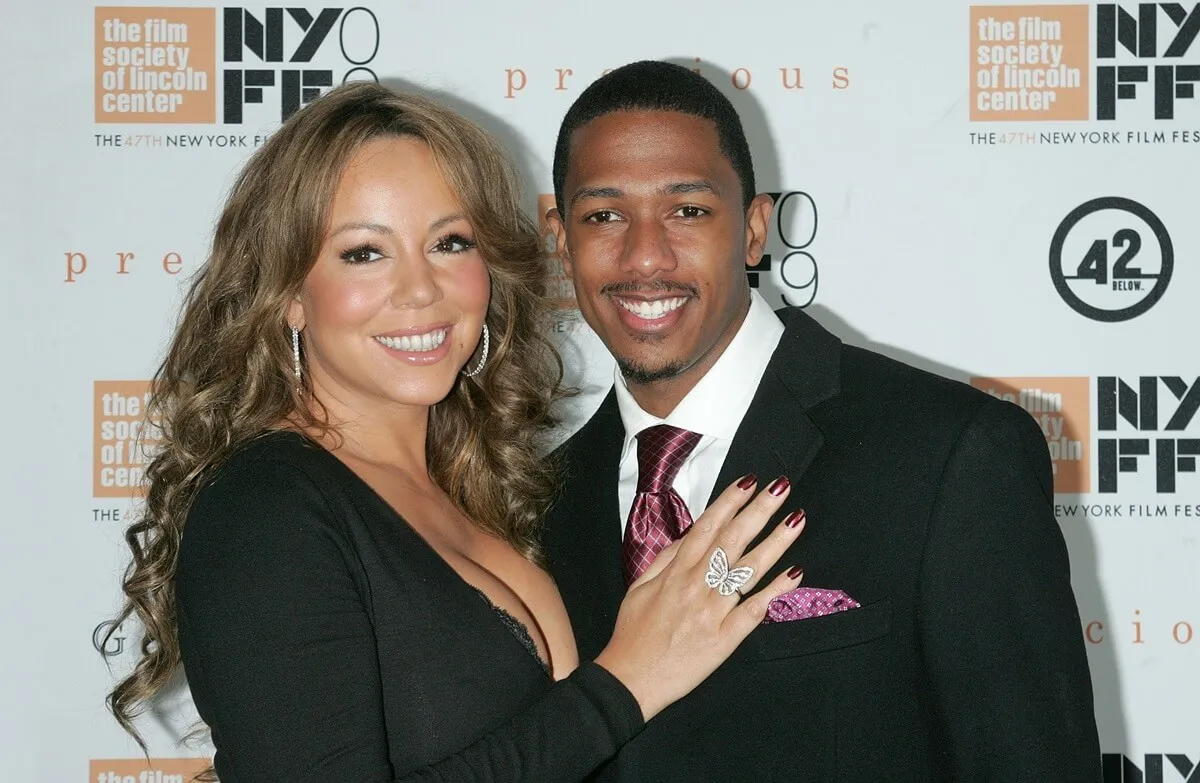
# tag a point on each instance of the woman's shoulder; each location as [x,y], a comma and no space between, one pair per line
[269,513]
[281,480]
[279,451]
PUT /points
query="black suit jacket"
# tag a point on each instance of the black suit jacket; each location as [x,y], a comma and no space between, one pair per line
[931,504]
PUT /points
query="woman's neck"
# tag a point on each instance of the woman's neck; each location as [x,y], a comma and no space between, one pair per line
[387,435]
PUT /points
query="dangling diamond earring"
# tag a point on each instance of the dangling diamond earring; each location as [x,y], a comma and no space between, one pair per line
[296,353]
[482,357]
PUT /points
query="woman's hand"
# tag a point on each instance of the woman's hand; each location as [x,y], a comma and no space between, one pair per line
[673,630]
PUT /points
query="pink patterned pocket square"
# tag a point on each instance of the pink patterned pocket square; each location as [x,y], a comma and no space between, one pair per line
[805,602]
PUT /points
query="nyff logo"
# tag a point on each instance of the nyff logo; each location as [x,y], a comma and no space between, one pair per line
[1129,43]
[1122,769]
[294,38]
[161,64]
[1163,405]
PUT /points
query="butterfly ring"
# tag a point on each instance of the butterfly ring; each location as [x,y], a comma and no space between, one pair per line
[722,578]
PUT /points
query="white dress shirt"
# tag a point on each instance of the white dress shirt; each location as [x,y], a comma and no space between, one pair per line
[714,408]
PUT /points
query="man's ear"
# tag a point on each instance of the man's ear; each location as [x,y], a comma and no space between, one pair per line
[758,219]
[559,230]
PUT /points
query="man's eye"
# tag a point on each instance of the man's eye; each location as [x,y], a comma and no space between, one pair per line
[602,216]
[691,212]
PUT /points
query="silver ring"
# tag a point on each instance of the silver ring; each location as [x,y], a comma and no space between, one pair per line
[722,578]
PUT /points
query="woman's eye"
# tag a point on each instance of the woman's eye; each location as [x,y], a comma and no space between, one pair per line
[453,243]
[363,254]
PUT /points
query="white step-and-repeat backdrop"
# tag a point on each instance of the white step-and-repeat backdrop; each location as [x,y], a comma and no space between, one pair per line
[1004,194]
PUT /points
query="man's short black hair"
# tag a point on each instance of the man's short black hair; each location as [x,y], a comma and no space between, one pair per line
[651,85]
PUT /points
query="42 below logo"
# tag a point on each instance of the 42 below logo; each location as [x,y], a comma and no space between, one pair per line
[1111,259]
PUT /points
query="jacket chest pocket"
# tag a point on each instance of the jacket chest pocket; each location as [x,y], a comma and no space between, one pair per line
[795,638]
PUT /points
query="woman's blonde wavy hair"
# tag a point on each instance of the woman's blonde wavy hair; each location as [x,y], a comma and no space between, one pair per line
[228,373]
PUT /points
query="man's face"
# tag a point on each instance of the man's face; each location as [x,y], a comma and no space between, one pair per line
[656,240]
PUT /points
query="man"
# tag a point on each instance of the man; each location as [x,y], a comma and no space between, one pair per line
[953,650]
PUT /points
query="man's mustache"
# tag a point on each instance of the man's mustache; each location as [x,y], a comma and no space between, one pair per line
[649,287]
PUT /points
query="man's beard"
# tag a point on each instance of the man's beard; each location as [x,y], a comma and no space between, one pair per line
[642,375]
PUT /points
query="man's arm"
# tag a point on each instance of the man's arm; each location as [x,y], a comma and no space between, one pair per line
[1000,631]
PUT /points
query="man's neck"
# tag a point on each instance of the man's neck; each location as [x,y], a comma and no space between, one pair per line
[661,397]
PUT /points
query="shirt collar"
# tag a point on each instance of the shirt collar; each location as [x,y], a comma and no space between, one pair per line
[717,404]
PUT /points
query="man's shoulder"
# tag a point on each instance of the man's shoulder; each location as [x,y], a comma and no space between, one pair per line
[866,371]
[942,406]
[864,392]
[822,368]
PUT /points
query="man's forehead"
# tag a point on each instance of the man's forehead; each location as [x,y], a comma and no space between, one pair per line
[658,148]
[641,123]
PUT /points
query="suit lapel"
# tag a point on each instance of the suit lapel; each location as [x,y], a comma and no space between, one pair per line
[776,437]
[769,444]
[588,540]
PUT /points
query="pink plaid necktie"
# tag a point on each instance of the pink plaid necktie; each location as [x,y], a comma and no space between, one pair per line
[659,515]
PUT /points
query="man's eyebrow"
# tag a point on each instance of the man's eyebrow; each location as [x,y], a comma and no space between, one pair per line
[693,186]
[595,193]
[674,189]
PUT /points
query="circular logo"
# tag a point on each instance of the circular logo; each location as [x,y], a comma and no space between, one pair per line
[1111,259]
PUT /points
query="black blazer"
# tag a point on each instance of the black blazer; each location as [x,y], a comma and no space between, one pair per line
[931,504]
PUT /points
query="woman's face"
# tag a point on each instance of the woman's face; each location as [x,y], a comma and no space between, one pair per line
[394,306]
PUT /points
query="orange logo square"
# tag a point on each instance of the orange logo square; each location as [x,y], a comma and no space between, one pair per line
[561,289]
[156,64]
[122,443]
[1061,407]
[145,771]
[1029,62]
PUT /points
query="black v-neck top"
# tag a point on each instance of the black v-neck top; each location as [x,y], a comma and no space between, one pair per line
[323,639]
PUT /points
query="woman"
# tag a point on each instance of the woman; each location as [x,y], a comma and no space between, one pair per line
[352,408]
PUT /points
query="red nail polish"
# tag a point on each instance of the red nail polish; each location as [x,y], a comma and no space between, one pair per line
[778,486]
[794,519]
[795,572]
[747,481]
